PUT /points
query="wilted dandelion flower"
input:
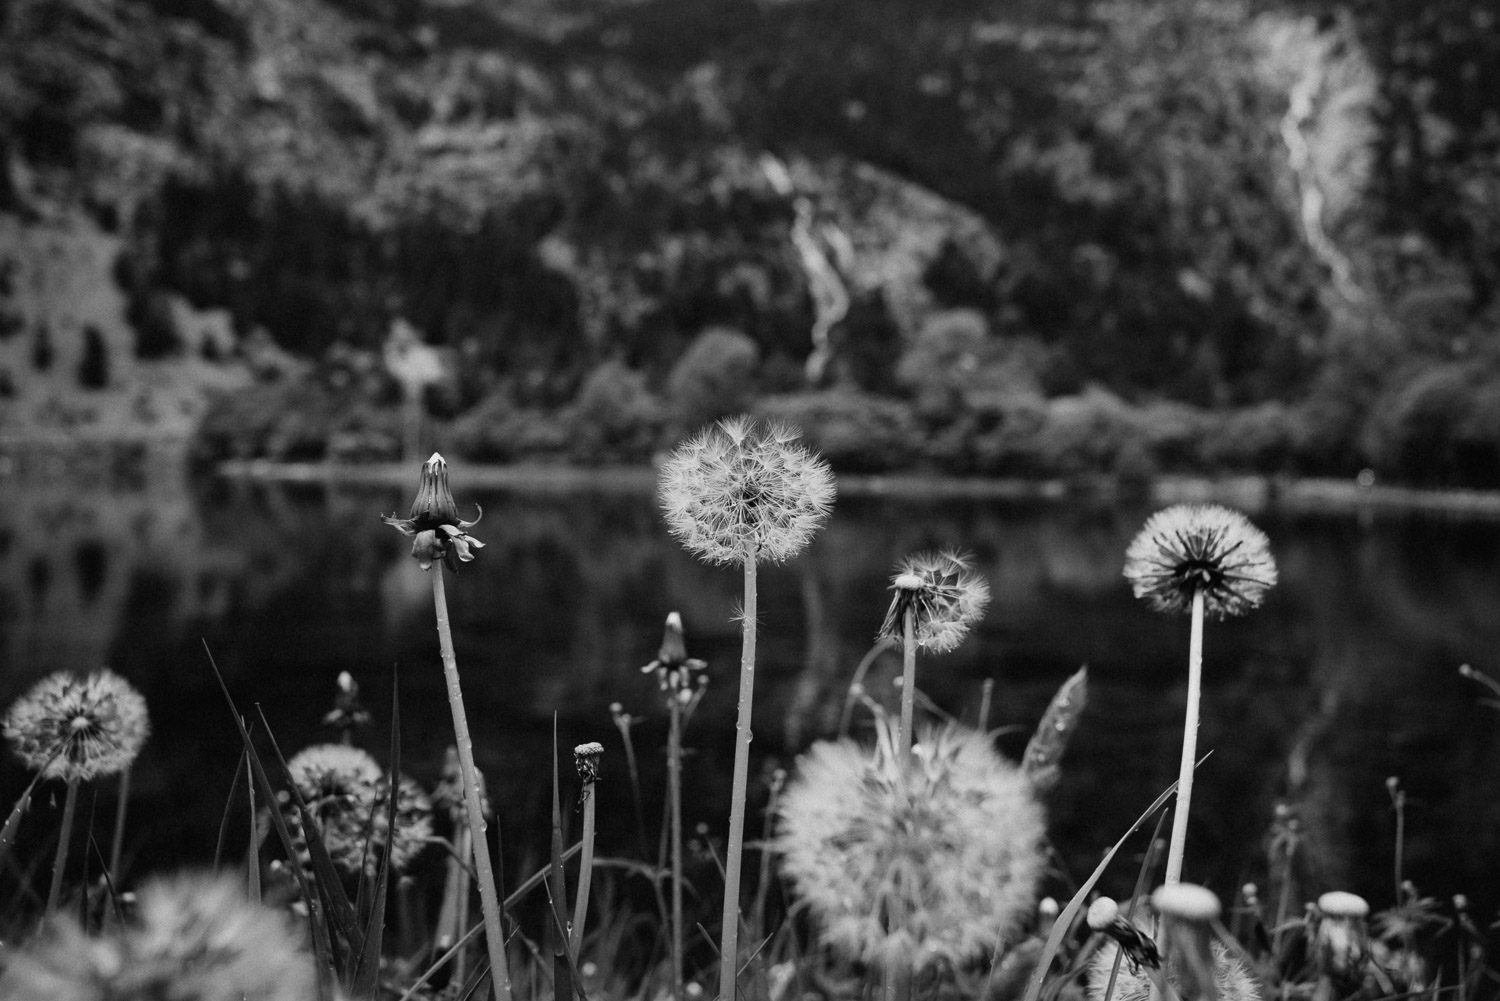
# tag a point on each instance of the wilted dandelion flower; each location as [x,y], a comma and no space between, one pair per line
[1189,548]
[78,727]
[436,531]
[934,863]
[346,791]
[944,594]
[679,675]
[192,937]
[740,490]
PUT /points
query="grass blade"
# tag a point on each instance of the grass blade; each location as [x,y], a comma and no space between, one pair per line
[367,963]
[1070,913]
[322,946]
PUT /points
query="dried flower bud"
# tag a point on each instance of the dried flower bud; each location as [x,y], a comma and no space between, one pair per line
[586,760]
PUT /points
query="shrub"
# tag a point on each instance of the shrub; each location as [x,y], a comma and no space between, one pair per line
[496,430]
[712,379]
[614,416]
[853,431]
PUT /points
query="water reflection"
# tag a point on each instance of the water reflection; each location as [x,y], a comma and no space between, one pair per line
[1347,675]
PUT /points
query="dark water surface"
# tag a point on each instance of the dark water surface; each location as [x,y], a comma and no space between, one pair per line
[1347,676]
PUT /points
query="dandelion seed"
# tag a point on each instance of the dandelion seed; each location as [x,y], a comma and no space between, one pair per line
[78,727]
[346,792]
[193,936]
[434,527]
[741,490]
[1203,548]
[945,597]
[934,862]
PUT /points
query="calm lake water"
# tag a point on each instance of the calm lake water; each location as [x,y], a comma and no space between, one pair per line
[1347,676]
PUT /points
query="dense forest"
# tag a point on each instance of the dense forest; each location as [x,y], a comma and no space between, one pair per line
[994,238]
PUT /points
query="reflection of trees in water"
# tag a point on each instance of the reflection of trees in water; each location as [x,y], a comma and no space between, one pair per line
[1348,674]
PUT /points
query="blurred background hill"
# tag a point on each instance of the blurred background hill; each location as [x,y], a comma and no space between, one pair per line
[1003,238]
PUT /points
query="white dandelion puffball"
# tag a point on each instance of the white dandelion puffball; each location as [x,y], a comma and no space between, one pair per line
[740,490]
[79,726]
[1191,548]
[936,863]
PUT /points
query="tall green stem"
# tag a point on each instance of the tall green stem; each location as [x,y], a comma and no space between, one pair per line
[488,898]
[908,684]
[674,801]
[1178,843]
[64,836]
[729,933]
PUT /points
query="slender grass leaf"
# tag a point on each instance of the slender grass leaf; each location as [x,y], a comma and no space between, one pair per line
[340,909]
[1069,913]
[367,964]
[322,944]
[1043,758]
[240,768]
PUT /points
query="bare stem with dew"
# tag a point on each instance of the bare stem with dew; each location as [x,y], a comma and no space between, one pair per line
[1178,844]
[488,898]
[729,933]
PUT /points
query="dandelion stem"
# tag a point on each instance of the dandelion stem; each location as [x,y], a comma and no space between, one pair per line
[489,901]
[908,682]
[585,873]
[117,842]
[64,835]
[674,800]
[1178,843]
[729,933]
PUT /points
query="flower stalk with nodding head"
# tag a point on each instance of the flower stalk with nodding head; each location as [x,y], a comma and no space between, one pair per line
[683,681]
[1201,559]
[938,596]
[739,493]
[438,535]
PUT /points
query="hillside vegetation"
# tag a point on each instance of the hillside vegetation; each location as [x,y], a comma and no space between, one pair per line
[1010,238]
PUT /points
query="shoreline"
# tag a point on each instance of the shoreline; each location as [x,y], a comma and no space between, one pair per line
[1250,493]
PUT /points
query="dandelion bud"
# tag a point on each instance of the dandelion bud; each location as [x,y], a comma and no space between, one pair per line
[676,672]
[434,527]
[1193,548]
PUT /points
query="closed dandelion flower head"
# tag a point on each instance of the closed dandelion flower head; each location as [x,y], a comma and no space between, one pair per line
[944,594]
[740,490]
[1206,548]
[346,792]
[933,864]
[436,531]
[79,726]
[193,936]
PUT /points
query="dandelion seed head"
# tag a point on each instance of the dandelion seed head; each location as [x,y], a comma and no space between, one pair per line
[193,936]
[78,726]
[745,490]
[346,792]
[945,595]
[933,863]
[1232,979]
[1188,548]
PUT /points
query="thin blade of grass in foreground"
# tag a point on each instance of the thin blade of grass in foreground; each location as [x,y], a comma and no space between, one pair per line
[367,963]
[234,787]
[1070,913]
[13,822]
[339,908]
[322,947]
